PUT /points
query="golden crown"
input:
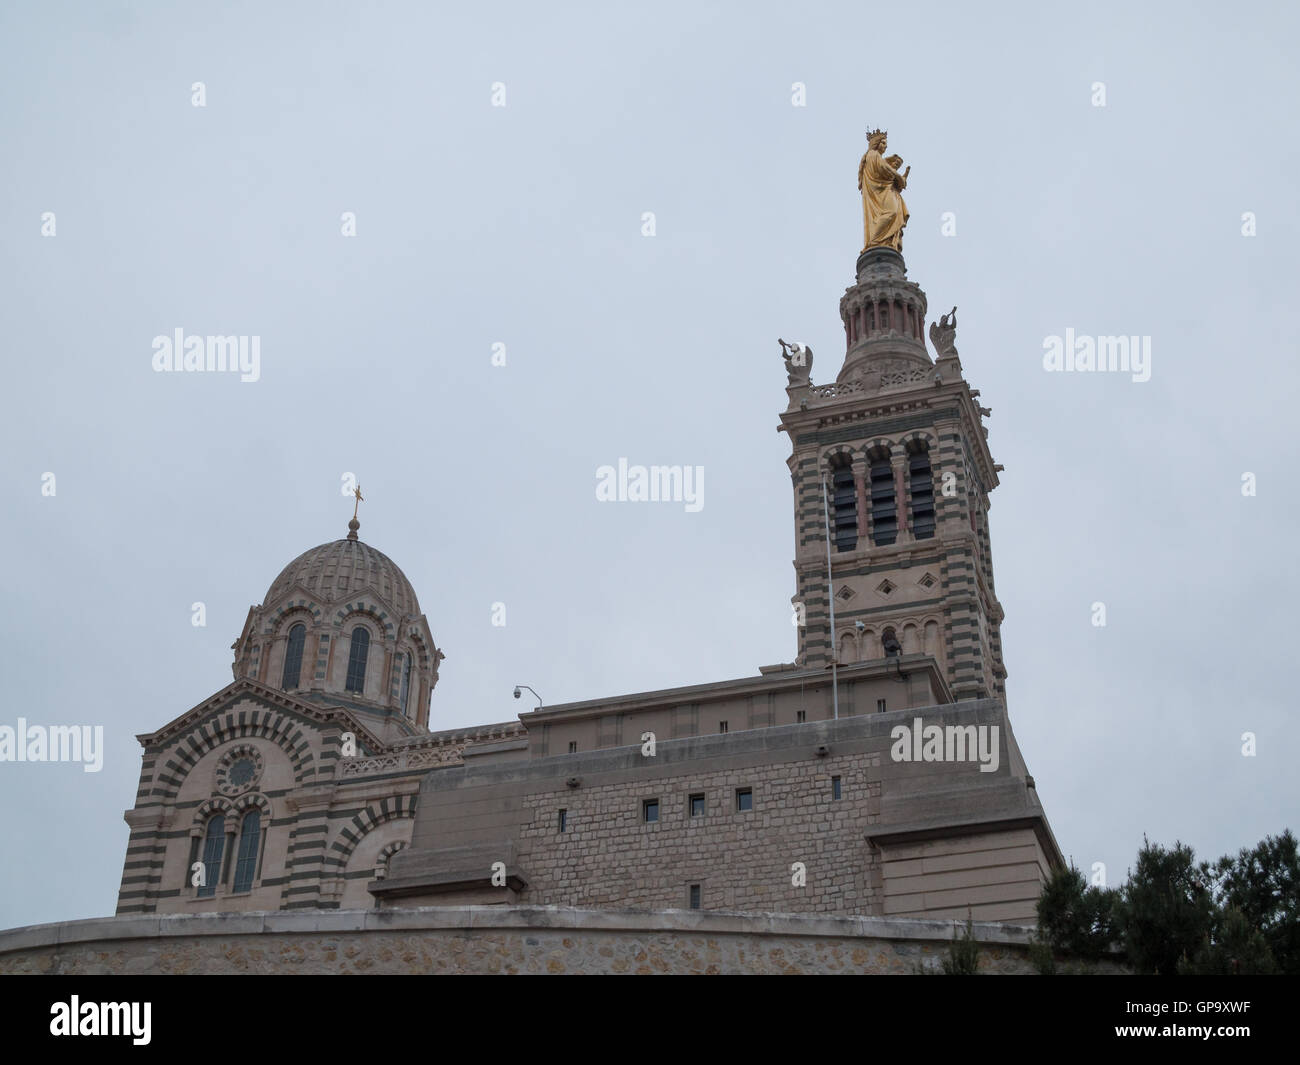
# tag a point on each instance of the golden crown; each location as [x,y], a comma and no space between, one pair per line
[876,133]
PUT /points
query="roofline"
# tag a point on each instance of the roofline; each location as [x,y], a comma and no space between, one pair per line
[786,679]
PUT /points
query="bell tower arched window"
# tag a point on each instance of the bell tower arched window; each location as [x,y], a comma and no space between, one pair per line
[360,650]
[844,507]
[920,484]
[293,657]
[884,509]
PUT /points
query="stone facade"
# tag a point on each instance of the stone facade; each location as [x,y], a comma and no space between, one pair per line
[313,783]
[489,940]
[327,823]
[917,561]
[908,838]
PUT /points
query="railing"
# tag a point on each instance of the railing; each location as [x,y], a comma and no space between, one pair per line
[834,391]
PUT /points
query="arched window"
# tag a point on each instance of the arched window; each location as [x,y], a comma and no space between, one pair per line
[920,485]
[293,657]
[357,660]
[406,683]
[844,507]
[214,849]
[884,509]
[250,834]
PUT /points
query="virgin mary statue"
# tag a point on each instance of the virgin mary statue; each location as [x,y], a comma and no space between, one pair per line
[884,214]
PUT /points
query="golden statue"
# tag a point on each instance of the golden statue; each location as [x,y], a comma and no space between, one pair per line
[884,214]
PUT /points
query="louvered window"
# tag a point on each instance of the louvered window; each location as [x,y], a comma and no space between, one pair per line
[884,509]
[845,509]
[921,489]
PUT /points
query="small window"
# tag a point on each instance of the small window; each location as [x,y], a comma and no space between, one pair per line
[835,787]
[697,805]
[880,706]
[800,716]
[564,817]
[744,799]
[573,746]
[722,726]
[650,810]
[695,896]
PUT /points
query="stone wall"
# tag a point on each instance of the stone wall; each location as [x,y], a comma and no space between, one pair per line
[939,840]
[496,939]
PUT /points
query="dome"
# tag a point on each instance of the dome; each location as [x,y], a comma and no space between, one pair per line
[336,571]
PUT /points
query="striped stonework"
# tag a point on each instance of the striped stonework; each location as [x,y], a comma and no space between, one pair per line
[886,407]
[322,826]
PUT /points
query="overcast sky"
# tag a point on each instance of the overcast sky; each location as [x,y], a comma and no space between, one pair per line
[522,225]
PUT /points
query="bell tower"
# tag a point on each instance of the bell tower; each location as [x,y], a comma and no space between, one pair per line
[891,464]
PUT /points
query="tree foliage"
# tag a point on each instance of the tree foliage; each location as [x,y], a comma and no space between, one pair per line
[1238,915]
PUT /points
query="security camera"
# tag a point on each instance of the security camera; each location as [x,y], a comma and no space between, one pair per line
[859,626]
[516,693]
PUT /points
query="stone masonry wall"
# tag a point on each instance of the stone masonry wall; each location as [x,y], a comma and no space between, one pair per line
[955,840]
[741,859]
[490,939]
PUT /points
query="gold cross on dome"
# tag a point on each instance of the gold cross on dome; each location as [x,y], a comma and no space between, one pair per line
[360,499]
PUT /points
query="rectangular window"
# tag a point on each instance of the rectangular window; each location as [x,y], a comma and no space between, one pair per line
[744,799]
[835,787]
[695,896]
[697,805]
[800,716]
[722,726]
[650,810]
[564,817]
[573,746]
[880,706]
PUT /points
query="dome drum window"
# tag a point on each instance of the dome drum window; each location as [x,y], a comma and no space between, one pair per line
[357,655]
[293,657]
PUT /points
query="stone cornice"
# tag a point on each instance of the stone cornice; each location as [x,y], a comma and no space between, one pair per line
[246,686]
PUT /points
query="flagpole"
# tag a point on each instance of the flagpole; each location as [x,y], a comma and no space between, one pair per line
[830,598]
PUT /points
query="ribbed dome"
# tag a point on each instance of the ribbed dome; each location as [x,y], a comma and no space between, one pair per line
[337,571]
